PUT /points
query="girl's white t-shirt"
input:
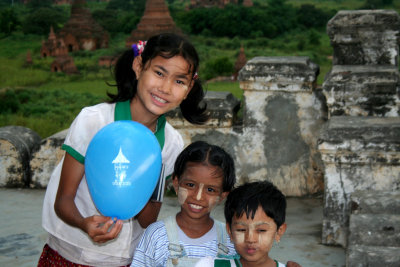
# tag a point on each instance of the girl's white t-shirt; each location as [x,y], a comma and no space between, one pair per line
[71,242]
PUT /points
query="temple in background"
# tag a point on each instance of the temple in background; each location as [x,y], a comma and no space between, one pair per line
[156,19]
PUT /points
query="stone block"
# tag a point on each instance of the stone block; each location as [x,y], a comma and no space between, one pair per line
[374,230]
[16,147]
[375,202]
[363,91]
[288,74]
[46,158]
[223,107]
[283,112]
[365,37]
[368,256]
[359,153]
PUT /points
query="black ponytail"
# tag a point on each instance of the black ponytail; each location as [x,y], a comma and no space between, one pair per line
[193,108]
[125,78]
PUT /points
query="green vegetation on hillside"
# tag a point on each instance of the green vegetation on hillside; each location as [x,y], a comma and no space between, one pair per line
[47,102]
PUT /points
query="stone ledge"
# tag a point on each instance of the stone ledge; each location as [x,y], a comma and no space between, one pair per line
[279,74]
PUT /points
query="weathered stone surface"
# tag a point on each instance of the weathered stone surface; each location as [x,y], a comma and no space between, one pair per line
[359,153]
[16,147]
[375,202]
[46,158]
[365,37]
[366,256]
[283,112]
[375,230]
[363,91]
[289,74]
[222,107]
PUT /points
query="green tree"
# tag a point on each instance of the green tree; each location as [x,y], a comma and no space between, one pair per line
[8,21]
[221,66]
[312,17]
[374,4]
[41,19]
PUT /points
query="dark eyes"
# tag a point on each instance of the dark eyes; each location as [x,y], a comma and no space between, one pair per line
[190,184]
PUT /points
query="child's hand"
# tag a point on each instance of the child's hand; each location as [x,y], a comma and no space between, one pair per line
[292,264]
[102,229]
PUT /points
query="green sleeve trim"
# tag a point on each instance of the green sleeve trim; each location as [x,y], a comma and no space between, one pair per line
[75,154]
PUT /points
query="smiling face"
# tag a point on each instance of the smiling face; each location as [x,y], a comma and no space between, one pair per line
[253,238]
[199,189]
[162,84]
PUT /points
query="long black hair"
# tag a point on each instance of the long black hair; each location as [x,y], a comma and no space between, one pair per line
[200,152]
[166,45]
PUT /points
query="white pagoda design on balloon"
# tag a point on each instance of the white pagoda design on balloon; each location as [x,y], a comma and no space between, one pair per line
[121,165]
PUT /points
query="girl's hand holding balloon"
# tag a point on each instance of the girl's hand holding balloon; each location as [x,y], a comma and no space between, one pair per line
[101,229]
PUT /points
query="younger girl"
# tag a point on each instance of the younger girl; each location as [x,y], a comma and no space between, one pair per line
[203,176]
[150,83]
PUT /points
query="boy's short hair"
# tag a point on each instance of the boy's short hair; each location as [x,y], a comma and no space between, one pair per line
[248,197]
[202,152]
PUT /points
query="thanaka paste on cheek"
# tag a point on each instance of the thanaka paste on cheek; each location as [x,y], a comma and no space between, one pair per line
[212,202]
[238,237]
[182,195]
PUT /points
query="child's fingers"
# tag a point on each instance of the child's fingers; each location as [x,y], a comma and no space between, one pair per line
[108,231]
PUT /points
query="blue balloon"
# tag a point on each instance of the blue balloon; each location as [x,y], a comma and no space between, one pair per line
[122,167]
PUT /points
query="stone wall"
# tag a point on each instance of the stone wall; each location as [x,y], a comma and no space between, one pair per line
[283,113]
[360,144]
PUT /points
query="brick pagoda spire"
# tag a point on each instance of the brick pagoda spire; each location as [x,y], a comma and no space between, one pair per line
[156,19]
[82,32]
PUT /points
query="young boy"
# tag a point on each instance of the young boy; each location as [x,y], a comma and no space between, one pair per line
[255,218]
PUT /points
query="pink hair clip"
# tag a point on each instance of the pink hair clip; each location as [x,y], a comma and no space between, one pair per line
[138,48]
[195,76]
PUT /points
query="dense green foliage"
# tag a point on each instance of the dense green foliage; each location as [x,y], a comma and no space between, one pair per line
[270,20]
[8,21]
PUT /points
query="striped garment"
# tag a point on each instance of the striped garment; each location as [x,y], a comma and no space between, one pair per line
[152,250]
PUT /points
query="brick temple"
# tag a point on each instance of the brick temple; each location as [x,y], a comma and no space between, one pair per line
[156,19]
[82,32]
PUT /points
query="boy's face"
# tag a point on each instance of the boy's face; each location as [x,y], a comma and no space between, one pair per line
[200,189]
[253,238]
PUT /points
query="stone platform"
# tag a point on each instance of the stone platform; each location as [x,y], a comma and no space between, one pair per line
[22,237]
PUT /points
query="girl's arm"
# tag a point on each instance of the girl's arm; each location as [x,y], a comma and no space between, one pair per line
[149,213]
[95,226]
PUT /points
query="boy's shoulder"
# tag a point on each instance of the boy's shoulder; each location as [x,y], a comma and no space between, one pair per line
[158,226]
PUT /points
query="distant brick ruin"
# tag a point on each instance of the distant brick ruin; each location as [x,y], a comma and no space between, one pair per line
[53,46]
[156,19]
[240,62]
[82,32]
